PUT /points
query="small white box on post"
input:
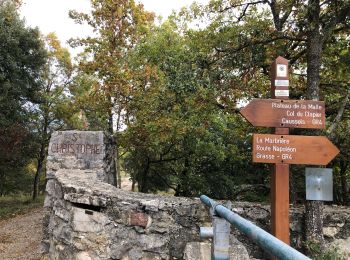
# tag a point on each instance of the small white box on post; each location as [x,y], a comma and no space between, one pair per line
[319,184]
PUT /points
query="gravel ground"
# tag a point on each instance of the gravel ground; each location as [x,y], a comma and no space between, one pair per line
[20,236]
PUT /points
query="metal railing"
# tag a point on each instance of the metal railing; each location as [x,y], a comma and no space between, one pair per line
[221,230]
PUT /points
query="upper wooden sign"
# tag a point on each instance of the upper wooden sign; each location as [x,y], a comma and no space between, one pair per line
[293,149]
[285,113]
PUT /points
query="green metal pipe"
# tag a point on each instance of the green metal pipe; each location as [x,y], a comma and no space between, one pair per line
[266,241]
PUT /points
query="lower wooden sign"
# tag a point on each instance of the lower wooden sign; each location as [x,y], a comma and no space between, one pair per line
[293,149]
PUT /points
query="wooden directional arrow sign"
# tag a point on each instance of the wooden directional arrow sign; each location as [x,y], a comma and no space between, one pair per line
[285,113]
[293,149]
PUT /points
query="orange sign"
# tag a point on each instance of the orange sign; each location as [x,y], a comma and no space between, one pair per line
[293,149]
[285,113]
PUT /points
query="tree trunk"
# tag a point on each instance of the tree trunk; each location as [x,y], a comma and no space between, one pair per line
[110,130]
[37,179]
[133,183]
[314,209]
[42,155]
[41,160]
[2,181]
[143,183]
[314,51]
[293,191]
[117,159]
[344,183]
[181,189]
[314,225]
[333,127]
[119,177]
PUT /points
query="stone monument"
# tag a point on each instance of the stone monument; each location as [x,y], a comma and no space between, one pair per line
[92,152]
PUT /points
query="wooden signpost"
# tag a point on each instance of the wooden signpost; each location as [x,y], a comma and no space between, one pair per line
[293,149]
[285,113]
[282,149]
[280,171]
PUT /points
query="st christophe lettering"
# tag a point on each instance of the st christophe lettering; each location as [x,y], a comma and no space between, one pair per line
[66,148]
[62,148]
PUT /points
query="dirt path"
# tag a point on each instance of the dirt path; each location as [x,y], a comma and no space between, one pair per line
[20,236]
[126,183]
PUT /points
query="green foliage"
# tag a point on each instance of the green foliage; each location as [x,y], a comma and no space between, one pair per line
[170,92]
[22,57]
[177,87]
[336,92]
[332,253]
[54,111]
[180,136]
[119,26]
[13,205]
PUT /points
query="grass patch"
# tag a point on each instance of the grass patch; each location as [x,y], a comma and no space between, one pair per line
[13,205]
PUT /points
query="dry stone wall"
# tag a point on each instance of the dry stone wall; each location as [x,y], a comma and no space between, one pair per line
[88,218]
[98,221]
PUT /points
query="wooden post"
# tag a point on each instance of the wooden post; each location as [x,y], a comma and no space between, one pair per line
[280,171]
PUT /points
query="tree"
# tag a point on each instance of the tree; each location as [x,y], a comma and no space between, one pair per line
[52,112]
[22,57]
[334,75]
[179,136]
[119,25]
[301,31]
[321,28]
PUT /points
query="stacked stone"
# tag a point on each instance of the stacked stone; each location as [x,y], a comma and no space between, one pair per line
[94,220]
[87,154]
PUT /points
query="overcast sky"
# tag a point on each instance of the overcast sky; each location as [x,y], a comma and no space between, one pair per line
[52,15]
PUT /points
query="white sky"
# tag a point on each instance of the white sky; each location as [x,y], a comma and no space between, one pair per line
[52,15]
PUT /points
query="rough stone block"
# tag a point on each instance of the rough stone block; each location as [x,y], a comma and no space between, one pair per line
[343,245]
[83,256]
[84,150]
[47,202]
[139,219]
[88,221]
[202,251]
[330,231]
[86,145]
[197,251]
[150,205]
[62,213]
